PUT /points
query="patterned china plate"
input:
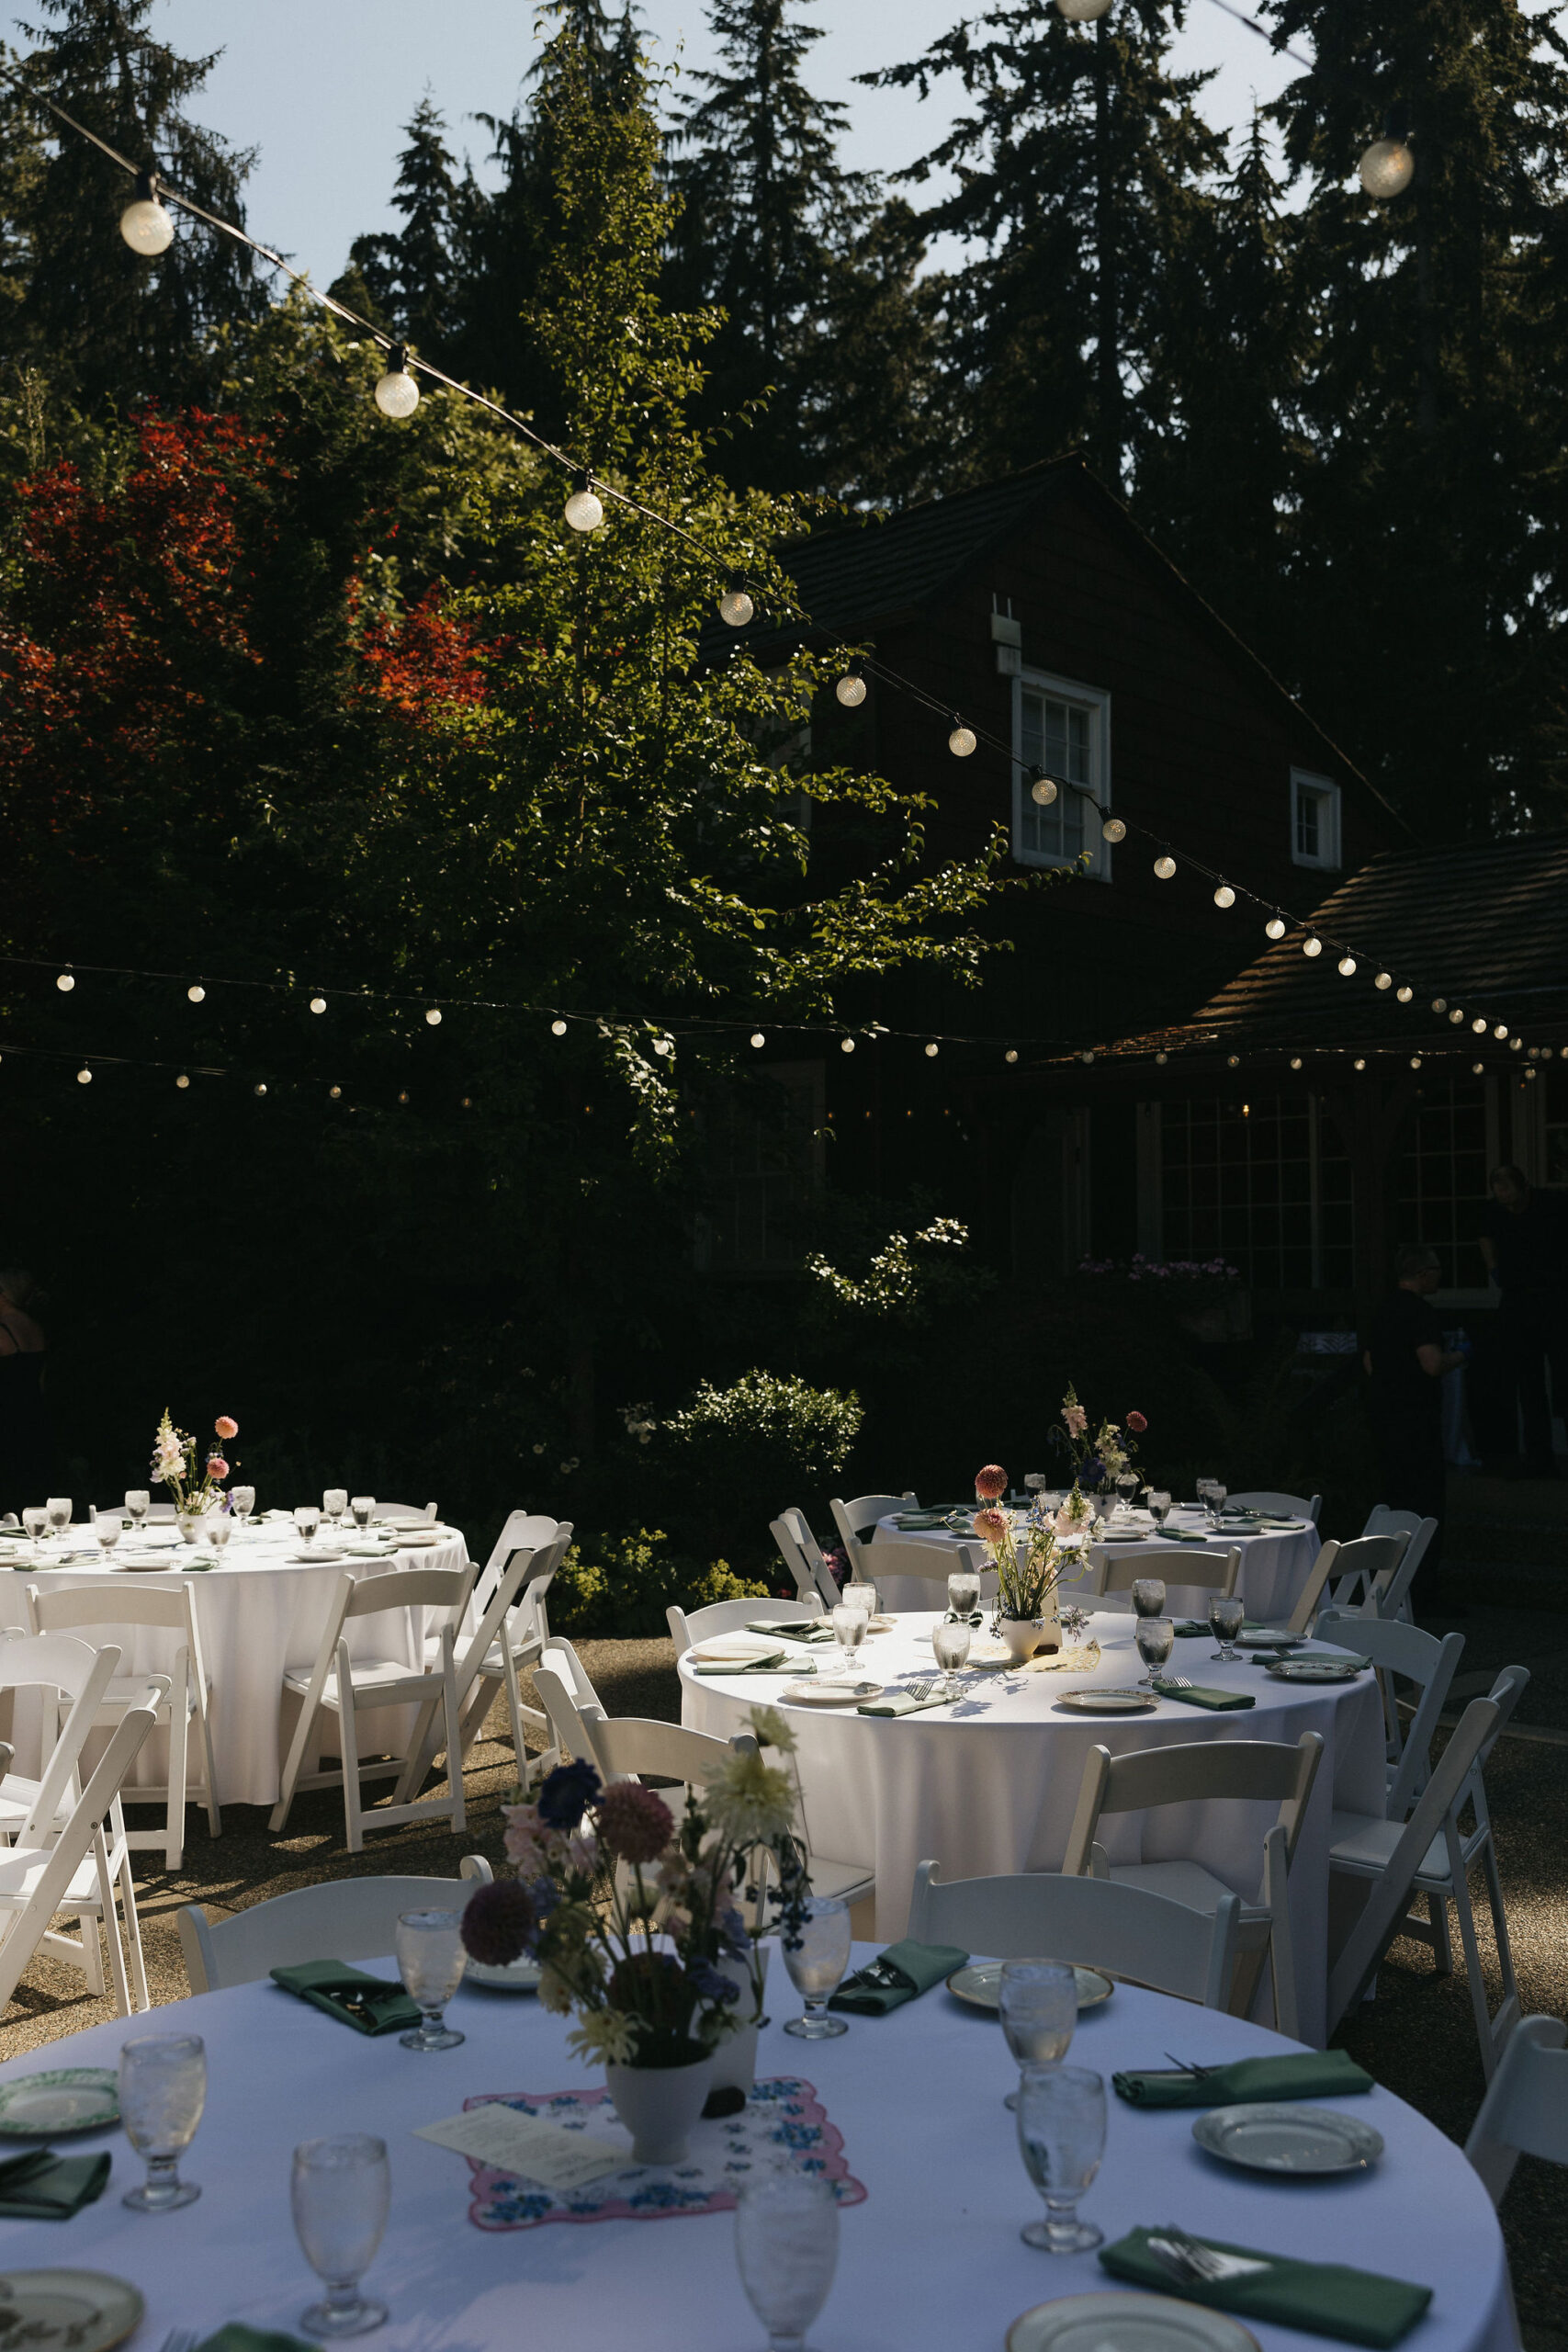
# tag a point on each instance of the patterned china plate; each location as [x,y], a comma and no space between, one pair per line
[1108,1702]
[1314,1669]
[66,2098]
[68,2311]
[1297,2140]
[980,1984]
[830,1694]
[1126,2323]
[1262,1638]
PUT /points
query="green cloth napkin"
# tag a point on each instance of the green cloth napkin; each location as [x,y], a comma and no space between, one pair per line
[1219,1702]
[1275,1658]
[903,1972]
[896,1702]
[238,2337]
[42,2186]
[327,1986]
[1324,2298]
[776,1665]
[1307,2074]
[802,1630]
[1188,1629]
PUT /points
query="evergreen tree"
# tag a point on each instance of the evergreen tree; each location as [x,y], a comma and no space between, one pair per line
[410,277]
[107,324]
[1079,169]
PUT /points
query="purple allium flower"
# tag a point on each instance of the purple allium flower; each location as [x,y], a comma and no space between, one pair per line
[498,1923]
[565,1794]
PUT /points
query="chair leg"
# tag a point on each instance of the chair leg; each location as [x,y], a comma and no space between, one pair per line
[1500,1926]
[454,1748]
[353,1795]
[515,1709]
[1442,1941]
[133,1936]
[179,1761]
[214,1814]
[297,1748]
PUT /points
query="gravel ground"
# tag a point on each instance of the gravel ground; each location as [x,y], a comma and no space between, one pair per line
[1417,2037]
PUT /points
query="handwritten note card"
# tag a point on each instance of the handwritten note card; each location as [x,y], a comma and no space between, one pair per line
[499,2136]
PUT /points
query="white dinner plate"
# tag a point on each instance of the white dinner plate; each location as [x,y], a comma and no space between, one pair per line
[1108,1702]
[308,1559]
[1126,2323]
[830,1694]
[520,1976]
[1305,2140]
[84,2311]
[1314,1669]
[1268,1637]
[65,2098]
[1126,1535]
[981,1984]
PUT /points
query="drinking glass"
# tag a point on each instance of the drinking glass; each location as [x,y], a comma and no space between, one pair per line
[1204,1488]
[220,1527]
[951,1644]
[107,1531]
[817,1964]
[431,1959]
[162,2089]
[1148,1597]
[59,1508]
[340,2192]
[964,1592]
[243,1499]
[1061,2135]
[362,1506]
[334,1502]
[1217,1493]
[138,1503]
[849,1624]
[35,1519]
[859,1593]
[1154,1636]
[1225,1617]
[1126,1487]
[1159,1505]
[306,1519]
[786,2244]
[1038,2004]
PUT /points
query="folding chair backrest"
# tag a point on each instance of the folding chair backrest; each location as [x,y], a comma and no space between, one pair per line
[525,1530]
[1382,1520]
[1092,1922]
[57,1662]
[1279,1506]
[406,1514]
[1391,1591]
[504,1590]
[1173,1564]
[729,1616]
[1525,2112]
[446,1589]
[1193,1772]
[351,1918]
[802,1556]
[568,1714]
[26,1928]
[1311,1594]
[1388,1898]
[629,1746]
[127,1600]
[1414,1656]
[1360,1563]
[935,1562]
[857,1519]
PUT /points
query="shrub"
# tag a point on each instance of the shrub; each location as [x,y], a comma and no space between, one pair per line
[718,1471]
[611,1587]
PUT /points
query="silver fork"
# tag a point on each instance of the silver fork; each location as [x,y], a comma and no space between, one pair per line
[1174,1682]
[180,2339]
[1191,2259]
[920,1690]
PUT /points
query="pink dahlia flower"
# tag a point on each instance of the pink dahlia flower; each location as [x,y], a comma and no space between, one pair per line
[634,1825]
[1136,1423]
[991,1483]
[225,1428]
[216,1466]
[991,1526]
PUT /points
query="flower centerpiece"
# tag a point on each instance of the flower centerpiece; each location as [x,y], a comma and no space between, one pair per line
[635,1919]
[173,1462]
[1098,1460]
[1027,1575]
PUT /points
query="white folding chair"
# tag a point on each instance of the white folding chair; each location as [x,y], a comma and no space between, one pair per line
[39,1882]
[1401,1652]
[129,1602]
[631,1748]
[1525,2112]
[856,1520]
[568,1700]
[340,1686]
[1090,1922]
[1279,1506]
[405,1514]
[934,1563]
[814,1579]
[731,1616]
[488,1662]
[1366,1566]
[347,1919]
[1174,1564]
[1190,1772]
[1394,1591]
[1311,1594]
[1363,1847]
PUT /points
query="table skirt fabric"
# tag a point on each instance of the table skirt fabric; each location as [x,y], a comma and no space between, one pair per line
[990,1783]
[932,2258]
[257,1614]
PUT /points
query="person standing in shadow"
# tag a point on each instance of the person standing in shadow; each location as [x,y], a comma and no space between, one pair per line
[1406,1363]
[25,1466]
[1524,1239]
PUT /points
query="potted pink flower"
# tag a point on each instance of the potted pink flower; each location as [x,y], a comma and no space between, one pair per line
[174,1463]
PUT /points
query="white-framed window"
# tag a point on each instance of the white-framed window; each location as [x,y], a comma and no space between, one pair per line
[1315,819]
[1065,728]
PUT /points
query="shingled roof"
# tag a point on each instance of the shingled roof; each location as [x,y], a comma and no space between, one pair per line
[1484,927]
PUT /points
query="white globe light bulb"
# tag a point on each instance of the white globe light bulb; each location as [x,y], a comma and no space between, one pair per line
[584,512]
[1011,1055]
[1042,792]
[735,606]
[144,224]
[1456,1016]
[1347,966]
[197,994]
[1477,1070]
[182,1080]
[1295,1061]
[1383,980]
[1113,830]
[850,691]
[433,1017]
[758,1039]
[961,740]
[557,1028]
[65,983]
[1387,168]
[1224,896]
[397,394]
[1415,1061]
[1360,1063]
[318,1004]
[931,1052]
[1479,1026]
[1311,947]
[1165,867]
[1403,995]
[1275,927]
[1439,1005]
[84,1078]
[1082,12]
[846,1045]
[1501,1031]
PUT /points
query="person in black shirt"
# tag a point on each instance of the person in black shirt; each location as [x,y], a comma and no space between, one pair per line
[1524,1239]
[1405,1361]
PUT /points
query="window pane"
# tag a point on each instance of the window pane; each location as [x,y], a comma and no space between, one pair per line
[1440,1177]
[1239,1185]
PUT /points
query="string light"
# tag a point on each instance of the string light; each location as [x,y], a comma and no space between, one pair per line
[1439,1005]
[182,1081]
[258,1090]
[433,1017]
[735,606]
[846,1045]
[1383,980]
[1233,1062]
[1415,1061]
[963,739]
[1360,1062]
[1011,1055]
[1477,1070]
[758,1039]
[583,511]
[197,993]
[318,1004]
[1043,791]
[397,394]
[1501,1031]
[1113,830]
[84,1078]
[1514,1044]
[850,689]
[65,983]
[1456,1016]
[664,1045]
[1312,946]
[557,1028]
[1275,927]
[1295,1061]
[1405,995]
[1224,896]
[144,224]
[1165,867]
[335,1093]
[1087,1055]
[931,1052]
[1387,168]
[1162,1059]
[1479,1026]
[1347,966]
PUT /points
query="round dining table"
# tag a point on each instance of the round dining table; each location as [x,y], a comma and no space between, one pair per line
[988,1783]
[258,1611]
[904,2111]
[1275,1560]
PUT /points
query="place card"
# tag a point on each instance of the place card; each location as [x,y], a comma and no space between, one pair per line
[508,2141]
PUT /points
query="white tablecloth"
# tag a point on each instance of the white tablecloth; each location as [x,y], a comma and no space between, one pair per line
[1274,1566]
[933,2257]
[258,1613]
[990,1783]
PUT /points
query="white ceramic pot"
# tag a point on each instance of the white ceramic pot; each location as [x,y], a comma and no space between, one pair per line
[735,2060]
[1026,1637]
[659,2106]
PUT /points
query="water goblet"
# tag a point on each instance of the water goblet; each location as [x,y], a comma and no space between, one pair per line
[1034,1483]
[244,1502]
[306,1519]
[107,1531]
[138,1503]
[1159,1505]
[220,1528]
[1217,1493]
[334,1502]
[1148,1597]
[786,2244]
[1038,2005]
[951,1645]
[162,2089]
[860,1593]
[817,1953]
[849,1624]
[964,1592]
[35,1519]
[1154,1636]
[1061,2135]
[59,1508]
[1203,1489]
[340,2192]
[1126,1487]
[431,1960]
[1226,1618]
[362,1506]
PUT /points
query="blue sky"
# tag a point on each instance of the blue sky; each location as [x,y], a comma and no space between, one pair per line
[321,87]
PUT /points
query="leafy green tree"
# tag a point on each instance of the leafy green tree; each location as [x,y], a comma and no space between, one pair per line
[107,325]
[410,277]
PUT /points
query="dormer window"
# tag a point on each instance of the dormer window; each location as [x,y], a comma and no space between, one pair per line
[1315,819]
